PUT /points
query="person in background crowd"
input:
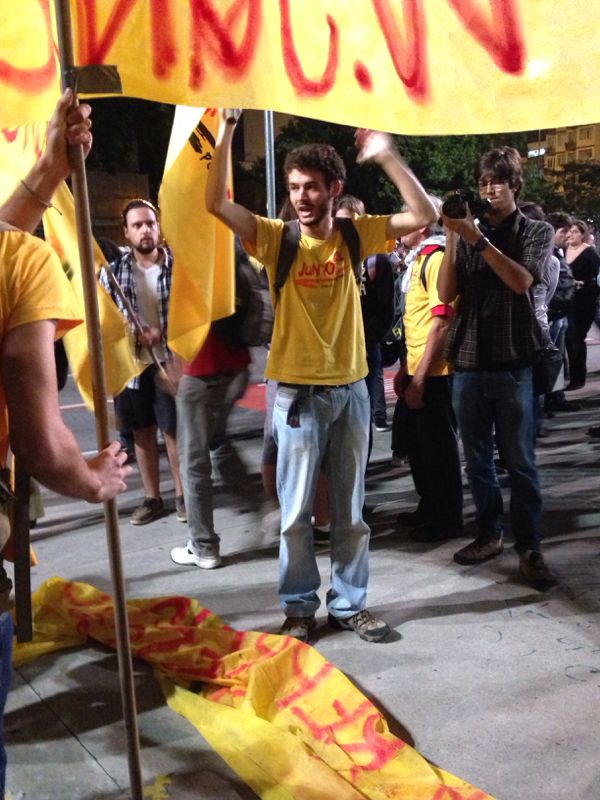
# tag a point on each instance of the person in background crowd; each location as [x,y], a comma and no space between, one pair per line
[423,385]
[144,273]
[493,340]
[584,262]
[558,310]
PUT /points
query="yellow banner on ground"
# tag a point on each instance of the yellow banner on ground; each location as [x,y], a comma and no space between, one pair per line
[414,67]
[120,366]
[285,719]
[203,284]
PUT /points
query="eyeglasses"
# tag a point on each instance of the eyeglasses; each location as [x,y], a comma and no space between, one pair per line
[491,182]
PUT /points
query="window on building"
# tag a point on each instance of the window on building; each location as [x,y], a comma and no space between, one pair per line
[550,163]
[561,159]
[571,156]
[551,141]
[585,155]
[560,141]
[586,133]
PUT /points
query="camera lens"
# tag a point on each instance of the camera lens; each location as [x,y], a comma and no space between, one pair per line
[454,206]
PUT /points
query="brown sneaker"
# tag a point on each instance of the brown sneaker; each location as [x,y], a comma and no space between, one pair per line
[480,550]
[151,509]
[364,624]
[535,571]
[298,627]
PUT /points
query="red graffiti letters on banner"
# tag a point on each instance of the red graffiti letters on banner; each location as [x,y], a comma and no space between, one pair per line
[33,79]
[227,42]
[408,53]
[303,85]
[94,47]
[501,36]
[211,31]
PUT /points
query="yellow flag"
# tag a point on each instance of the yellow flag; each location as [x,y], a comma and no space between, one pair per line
[119,363]
[19,149]
[203,286]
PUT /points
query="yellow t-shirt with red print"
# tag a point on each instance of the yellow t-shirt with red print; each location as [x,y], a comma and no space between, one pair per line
[318,333]
[33,287]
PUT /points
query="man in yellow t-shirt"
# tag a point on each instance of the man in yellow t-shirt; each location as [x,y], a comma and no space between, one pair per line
[37,305]
[321,411]
[424,410]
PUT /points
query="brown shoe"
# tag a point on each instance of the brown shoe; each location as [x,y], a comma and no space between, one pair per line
[480,550]
[535,571]
[151,509]
[298,627]
[368,627]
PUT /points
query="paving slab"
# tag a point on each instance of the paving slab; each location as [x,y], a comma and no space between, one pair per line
[486,677]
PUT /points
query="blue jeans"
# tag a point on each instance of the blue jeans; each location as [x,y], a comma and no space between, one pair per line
[500,401]
[334,422]
[6,634]
[203,407]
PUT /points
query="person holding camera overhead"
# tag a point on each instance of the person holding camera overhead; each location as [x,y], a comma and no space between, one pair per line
[493,340]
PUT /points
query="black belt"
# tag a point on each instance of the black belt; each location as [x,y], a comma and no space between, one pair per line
[306,390]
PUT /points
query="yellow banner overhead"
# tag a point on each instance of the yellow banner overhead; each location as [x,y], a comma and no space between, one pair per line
[408,66]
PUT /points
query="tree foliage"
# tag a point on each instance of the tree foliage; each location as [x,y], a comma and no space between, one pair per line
[442,163]
[581,190]
[131,135]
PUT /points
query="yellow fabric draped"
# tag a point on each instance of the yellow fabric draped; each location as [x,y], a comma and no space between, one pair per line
[203,286]
[285,719]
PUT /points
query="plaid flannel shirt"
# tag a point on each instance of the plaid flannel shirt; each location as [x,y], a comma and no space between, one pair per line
[122,269]
[494,327]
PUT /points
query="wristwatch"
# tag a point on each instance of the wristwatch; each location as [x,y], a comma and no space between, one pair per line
[481,244]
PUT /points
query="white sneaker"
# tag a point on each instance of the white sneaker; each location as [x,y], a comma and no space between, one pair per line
[209,560]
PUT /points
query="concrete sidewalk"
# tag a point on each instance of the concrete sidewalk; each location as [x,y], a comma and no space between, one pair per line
[491,680]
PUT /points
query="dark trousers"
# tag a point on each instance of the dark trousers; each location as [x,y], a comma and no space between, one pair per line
[375,385]
[6,634]
[430,435]
[580,321]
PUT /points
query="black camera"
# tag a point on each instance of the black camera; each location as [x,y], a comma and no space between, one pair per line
[455,205]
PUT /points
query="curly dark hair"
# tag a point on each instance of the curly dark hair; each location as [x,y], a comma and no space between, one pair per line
[503,164]
[319,157]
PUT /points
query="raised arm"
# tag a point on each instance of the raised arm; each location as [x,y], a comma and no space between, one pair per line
[40,440]
[237,217]
[68,126]
[420,211]
[446,282]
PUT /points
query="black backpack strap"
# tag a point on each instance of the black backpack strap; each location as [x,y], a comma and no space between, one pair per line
[290,241]
[439,248]
[352,240]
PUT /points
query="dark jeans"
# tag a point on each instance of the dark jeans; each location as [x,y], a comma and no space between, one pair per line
[374,381]
[432,448]
[500,400]
[6,634]
[580,321]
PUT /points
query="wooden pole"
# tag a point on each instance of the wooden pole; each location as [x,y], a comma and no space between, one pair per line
[86,255]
